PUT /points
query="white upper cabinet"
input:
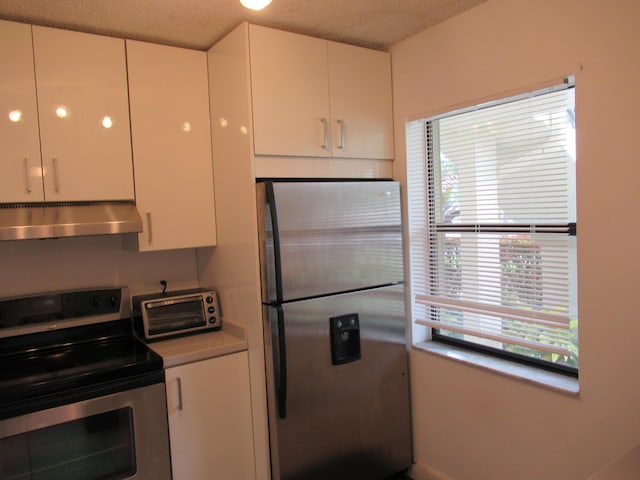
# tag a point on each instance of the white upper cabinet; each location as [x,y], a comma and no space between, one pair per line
[20,166]
[290,93]
[312,97]
[171,139]
[361,102]
[83,107]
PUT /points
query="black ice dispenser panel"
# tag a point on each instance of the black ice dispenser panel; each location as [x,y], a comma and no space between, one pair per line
[345,338]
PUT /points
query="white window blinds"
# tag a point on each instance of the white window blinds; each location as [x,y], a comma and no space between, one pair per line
[493,226]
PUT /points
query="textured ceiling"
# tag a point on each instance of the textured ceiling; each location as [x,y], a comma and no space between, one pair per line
[200,23]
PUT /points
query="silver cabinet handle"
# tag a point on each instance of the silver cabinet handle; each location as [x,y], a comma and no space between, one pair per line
[179,384]
[325,133]
[341,136]
[27,173]
[149,230]
[56,174]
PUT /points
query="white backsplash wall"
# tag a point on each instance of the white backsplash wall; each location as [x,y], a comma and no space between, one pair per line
[34,266]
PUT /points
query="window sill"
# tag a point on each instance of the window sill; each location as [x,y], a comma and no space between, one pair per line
[555,381]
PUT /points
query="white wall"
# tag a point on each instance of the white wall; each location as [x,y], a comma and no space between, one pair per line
[470,424]
[34,266]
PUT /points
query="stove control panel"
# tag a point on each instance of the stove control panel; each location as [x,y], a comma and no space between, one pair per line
[47,308]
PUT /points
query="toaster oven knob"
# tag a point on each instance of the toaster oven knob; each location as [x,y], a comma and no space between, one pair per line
[211,309]
[209,299]
[212,320]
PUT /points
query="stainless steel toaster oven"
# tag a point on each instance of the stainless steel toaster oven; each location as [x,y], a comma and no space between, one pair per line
[163,315]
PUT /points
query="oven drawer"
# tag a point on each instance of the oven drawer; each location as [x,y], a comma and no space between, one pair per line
[119,436]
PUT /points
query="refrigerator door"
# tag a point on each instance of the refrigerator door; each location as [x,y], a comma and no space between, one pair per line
[320,238]
[344,420]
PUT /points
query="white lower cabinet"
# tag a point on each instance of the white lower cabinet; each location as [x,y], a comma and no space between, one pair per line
[209,409]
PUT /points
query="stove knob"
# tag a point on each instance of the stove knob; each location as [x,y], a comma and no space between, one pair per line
[113,300]
[96,300]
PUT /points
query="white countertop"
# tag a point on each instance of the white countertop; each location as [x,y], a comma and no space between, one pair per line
[201,346]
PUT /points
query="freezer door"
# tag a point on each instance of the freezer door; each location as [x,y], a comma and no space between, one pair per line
[319,238]
[345,420]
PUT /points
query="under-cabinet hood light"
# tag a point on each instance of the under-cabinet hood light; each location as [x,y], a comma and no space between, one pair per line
[255,4]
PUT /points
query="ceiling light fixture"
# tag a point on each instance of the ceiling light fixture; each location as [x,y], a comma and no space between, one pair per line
[255,4]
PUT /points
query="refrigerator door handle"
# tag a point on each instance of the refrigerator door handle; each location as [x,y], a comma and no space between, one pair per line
[282,366]
[277,258]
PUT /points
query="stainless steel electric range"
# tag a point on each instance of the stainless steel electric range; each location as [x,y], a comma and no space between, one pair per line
[80,396]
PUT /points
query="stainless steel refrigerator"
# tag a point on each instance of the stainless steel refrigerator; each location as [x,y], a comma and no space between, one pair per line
[334,323]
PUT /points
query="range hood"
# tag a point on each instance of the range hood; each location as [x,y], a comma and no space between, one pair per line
[52,220]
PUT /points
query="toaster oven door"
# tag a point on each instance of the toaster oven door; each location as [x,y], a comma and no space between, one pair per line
[166,317]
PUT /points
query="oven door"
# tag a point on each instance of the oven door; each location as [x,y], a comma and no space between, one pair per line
[119,436]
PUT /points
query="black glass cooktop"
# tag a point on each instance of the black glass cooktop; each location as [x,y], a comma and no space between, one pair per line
[39,370]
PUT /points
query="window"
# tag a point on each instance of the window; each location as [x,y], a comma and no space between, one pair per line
[492,214]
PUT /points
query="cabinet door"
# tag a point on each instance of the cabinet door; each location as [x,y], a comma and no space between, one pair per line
[290,93]
[83,107]
[171,138]
[210,419]
[361,104]
[20,166]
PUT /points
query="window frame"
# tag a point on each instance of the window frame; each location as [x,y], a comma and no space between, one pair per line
[430,180]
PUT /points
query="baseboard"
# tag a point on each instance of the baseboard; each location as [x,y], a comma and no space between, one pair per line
[424,472]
